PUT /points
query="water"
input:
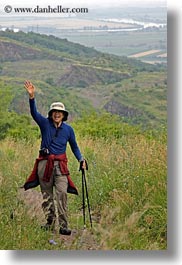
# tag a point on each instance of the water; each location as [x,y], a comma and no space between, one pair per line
[143,24]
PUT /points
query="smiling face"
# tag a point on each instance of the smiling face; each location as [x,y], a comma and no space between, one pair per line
[57,117]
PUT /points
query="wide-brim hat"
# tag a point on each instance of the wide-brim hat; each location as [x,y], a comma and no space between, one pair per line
[58,106]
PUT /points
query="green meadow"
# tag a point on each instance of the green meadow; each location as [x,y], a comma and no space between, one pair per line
[127,185]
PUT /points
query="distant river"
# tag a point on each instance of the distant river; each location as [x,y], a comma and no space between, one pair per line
[135,22]
[137,25]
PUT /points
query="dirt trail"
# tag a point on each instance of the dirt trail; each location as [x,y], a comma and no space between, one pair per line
[78,240]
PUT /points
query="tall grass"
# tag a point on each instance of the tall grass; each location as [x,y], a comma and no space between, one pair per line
[127,191]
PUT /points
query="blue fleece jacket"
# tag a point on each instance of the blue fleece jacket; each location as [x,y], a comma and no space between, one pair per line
[55,139]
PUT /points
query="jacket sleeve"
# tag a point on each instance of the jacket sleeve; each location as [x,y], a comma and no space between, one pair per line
[74,147]
[39,119]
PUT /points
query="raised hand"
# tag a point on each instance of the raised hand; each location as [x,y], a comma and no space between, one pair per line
[30,88]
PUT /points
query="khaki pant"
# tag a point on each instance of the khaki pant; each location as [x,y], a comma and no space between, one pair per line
[59,184]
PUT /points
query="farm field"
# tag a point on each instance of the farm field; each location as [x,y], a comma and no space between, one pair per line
[121,43]
[99,30]
[141,54]
[62,23]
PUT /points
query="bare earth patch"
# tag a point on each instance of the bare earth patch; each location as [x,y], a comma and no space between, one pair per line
[141,54]
[79,239]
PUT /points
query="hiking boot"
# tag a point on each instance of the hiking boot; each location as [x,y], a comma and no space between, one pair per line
[65,231]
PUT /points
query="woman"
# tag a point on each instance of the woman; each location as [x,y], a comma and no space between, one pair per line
[50,169]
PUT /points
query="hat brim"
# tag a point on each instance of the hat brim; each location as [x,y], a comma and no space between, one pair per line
[64,111]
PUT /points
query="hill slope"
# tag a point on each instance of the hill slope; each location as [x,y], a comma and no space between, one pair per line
[82,78]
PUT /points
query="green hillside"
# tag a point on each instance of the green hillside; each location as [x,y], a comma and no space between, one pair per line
[82,78]
[118,111]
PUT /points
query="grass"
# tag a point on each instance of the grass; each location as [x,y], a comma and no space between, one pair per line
[127,191]
[93,82]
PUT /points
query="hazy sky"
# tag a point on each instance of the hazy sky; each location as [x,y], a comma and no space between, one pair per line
[83,3]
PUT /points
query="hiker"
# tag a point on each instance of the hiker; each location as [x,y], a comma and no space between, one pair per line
[50,169]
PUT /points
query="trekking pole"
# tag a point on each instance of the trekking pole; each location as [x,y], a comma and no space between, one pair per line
[84,188]
[90,217]
[83,200]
